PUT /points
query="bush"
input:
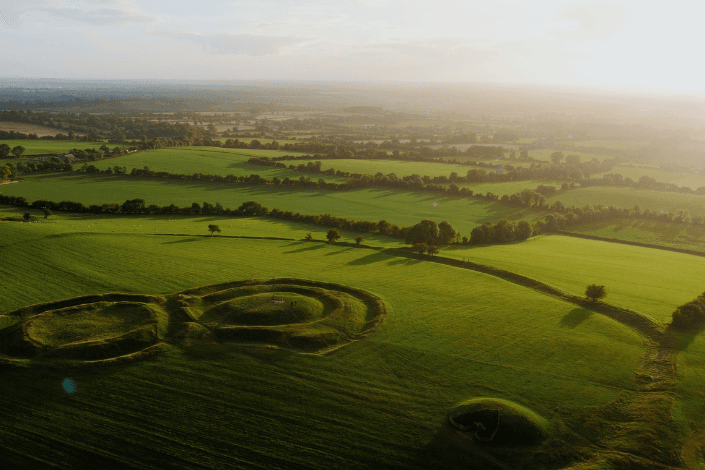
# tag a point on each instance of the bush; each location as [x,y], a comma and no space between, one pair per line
[690,315]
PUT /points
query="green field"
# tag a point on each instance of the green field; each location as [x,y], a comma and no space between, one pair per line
[627,198]
[681,236]
[39,147]
[650,281]
[395,206]
[691,180]
[207,160]
[439,346]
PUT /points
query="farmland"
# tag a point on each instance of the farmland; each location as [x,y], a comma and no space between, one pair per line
[396,206]
[40,147]
[630,197]
[442,333]
[208,337]
[650,281]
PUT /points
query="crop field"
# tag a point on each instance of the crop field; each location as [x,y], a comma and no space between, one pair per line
[40,147]
[206,160]
[650,281]
[630,197]
[374,204]
[439,346]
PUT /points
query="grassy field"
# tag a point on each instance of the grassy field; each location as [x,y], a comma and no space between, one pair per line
[26,128]
[395,206]
[452,335]
[611,144]
[650,281]
[682,236]
[39,147]
[627,198]
[206,160]
[66,223]
[690,180]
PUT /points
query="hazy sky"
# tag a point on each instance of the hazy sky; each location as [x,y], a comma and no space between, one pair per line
[630,45]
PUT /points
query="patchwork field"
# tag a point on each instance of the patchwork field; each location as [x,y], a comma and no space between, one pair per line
[690,180]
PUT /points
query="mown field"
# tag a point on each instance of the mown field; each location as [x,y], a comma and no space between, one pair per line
[395,206]
[68,223]
[451,335]
[690,180]
[39,147]
[650,281]
[207,160]
[629,197]
[681,236]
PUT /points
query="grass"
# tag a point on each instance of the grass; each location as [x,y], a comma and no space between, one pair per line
[690,180]
[650,281]
[27,128]
[396,206]
[97,322]
[206,160]
[630,197]
[451,335]
[40,147]
[673,235]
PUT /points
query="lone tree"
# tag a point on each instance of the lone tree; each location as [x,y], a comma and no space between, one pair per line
[595,292]
[333,235]
[47,213]
[359,240]
[556,157]
[421,248]
[27,215]
[308,237]
[213,228]
[432,250]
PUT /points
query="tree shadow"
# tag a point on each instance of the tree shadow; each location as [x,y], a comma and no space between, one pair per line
[309,247]
[681,339]
[186,240]
[375,257]
[575,317]
[406,261]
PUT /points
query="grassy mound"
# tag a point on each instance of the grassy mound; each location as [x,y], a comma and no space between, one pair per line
[88,328]
[266,309]
[93,322]
[296,314]
[497,422]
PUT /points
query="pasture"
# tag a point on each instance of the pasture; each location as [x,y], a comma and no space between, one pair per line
[26,128]
[627,198]
[373,204]
[451,335]
[690,180]
[651,281]
[206,160]
[40,147]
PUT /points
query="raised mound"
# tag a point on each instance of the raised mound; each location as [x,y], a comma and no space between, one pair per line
[295,314]
[265,309]
[499,422]
[299,315]
[85,329]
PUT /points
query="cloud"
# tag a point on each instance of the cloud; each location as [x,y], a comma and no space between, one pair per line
[594,20]
[100,12]
[240,44]
[10,11]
